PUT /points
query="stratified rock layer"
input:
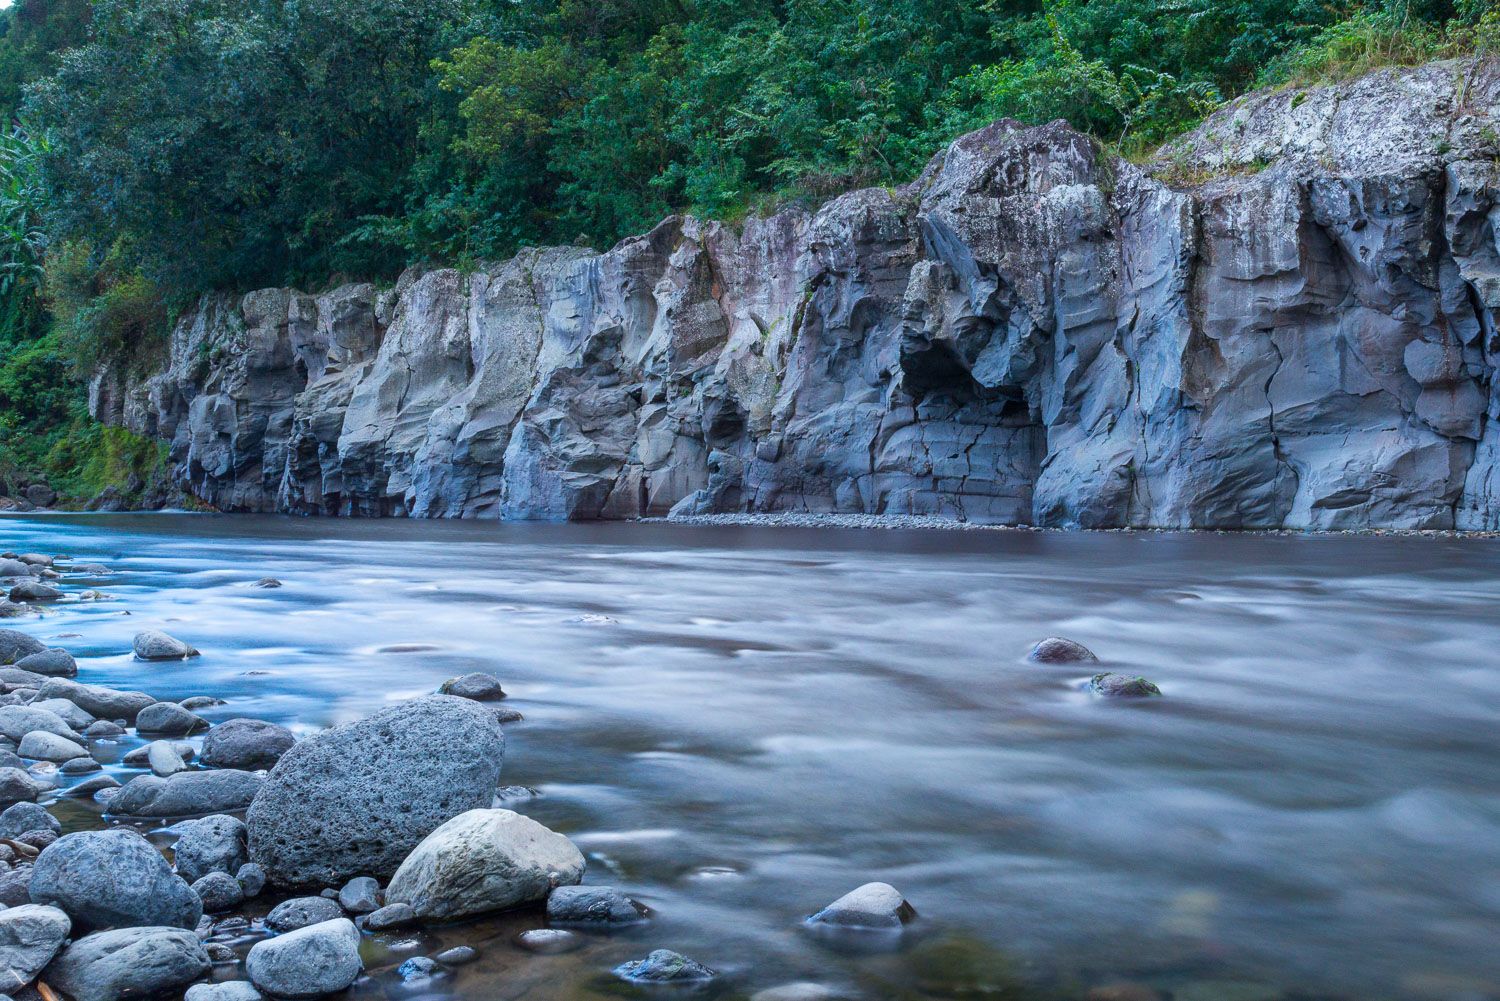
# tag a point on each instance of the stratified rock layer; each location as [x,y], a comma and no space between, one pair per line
[1288,320]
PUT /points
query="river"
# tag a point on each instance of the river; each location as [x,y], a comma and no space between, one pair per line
[738,725]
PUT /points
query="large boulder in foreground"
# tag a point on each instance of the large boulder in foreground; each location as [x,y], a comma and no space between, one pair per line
[186,794]
[112,879]
[29,937]
[128,963]
[307,963]
[356,799]
[484,861]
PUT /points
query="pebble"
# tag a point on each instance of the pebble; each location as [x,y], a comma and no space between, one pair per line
[872,906]
[361,895]
[457,956]
[549,941]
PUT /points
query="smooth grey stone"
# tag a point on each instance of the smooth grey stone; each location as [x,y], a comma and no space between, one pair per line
[110,879]
[505,714]
[30,935]
[1121,686]
[209,844]
[307,963]
[153,644]
[389,917]
[360,895]
[34,591]
[549,941]
[228,990]
[17,785]
[874,905]
[252,879]
[168,719]
[128,963]
[1057,650]
[16,645]
[251,744]
[80,766]
[105,703]
[17,721]
[54,662]
[140,757]
[299,912]
[15,610]
[592,906]
[15,885]
[164,759]
[42,746]
[804,991]
[90,570]
[417,969]
[484,861]
[356,799]
[14,568]
[457,956]
[186,794]
[477,686]
[664,966]
[66,711]
[22,818]
[89,787]
[36,559]
[219,892]
[104,729]
[196,702]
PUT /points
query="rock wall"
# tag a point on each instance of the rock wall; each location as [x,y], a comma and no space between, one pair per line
[1289,319]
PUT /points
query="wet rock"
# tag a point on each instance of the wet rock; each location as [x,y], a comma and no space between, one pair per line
[140,757]
[307,963]
[154,644]
[457,956]
[31,591]
[17,721]
[80,766]
[17,786]
[592,906]
[14,568]
[268,583]
[360,895]
[104,729]
[389,917]
[505,714]
[22,818]
[128,963]
[30,935]
[416,969]
[477,686]
[15,645]
[113,878]
[38,839]
[196,702]
[90,570]
[42,746]
[186,794]
[250,744]
[874,905]
[483,861]
[1057,650]
[15,610]
[252,879]
[169,720]
[15,885]
[664,966]
[300,912]
[36,559]
[549,941]
[1121,686]
[228,990]
[210,844]
[356,799]
[800,991]
[164,759]
[105,703]
[90,787]
[54,662]
[76,719]
[219,892]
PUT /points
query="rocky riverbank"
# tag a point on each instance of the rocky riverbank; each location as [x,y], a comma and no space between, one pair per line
[1286,321]
[285,854]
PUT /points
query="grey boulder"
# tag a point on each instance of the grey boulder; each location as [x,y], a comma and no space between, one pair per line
[54,662]
[16,645]
[300,912]
[104,703]
[34,590]
[209,844]
[164,759]
[66,711]
[30,936]
[42,746]
[356,799]
[361,895]
[483,861]
[664,966]
[168,719]
[140,757]
[389,917]
[18,786]
[186,794]
[128,963]
[22,818]
[1057,650]
[219,892]
[307,963]
[110,879]
[153,644]
[594,906]
[477,686]
[252,879]
[229,990]
[251,744]
[17,721]
[1122,686]
[874,905]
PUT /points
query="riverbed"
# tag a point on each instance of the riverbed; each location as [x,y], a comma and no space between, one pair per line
[738,724]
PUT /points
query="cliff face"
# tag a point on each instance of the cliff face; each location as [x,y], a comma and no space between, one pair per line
[1288,320]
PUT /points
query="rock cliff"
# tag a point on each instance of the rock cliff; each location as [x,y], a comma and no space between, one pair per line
[1288,319]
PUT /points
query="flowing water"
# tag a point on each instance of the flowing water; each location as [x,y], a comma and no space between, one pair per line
[738,725]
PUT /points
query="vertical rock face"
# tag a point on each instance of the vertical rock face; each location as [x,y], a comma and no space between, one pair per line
[1287,320]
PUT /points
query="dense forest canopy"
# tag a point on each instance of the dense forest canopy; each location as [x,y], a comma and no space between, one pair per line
[158,148]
